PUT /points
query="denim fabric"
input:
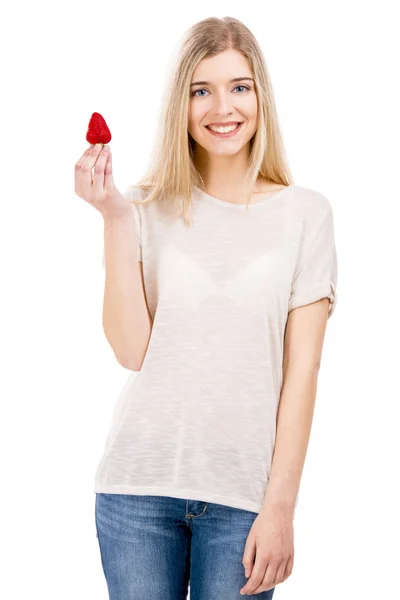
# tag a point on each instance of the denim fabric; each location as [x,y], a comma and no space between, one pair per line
[164,548]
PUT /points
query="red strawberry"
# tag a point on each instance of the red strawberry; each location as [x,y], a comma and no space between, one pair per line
[98,132]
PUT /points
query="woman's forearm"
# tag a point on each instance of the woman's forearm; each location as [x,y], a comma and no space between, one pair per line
[294,422]
[126,320]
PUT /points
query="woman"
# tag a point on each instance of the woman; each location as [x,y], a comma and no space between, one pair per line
[220,277]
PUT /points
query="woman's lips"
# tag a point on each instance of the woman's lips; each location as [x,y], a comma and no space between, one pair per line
[225,135]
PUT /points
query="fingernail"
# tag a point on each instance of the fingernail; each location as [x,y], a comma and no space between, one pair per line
[246,573]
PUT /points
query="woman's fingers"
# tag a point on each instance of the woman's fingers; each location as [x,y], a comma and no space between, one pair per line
[83,171]
[83,157]
[99,171]
[87,163]
[108,175]
[98,188]
[83,177]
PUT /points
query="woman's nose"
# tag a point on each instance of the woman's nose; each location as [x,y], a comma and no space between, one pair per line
[222,104]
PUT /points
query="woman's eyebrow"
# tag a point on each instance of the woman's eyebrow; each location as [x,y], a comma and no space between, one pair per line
[231,81]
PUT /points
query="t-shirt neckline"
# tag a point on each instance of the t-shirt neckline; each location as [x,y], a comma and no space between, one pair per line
[242,206]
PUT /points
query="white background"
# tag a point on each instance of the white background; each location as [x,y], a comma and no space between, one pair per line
[335,79]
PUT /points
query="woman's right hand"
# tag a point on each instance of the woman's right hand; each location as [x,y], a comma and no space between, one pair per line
[99,189]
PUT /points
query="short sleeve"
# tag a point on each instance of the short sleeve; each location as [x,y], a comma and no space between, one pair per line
[316,277]
[131,193]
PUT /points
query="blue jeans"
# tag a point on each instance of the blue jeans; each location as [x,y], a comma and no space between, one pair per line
[152,546]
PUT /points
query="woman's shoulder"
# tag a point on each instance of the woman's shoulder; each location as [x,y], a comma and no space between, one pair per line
[135,192]
[311,200]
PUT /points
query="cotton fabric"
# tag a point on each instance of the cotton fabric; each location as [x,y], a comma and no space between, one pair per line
[198,421]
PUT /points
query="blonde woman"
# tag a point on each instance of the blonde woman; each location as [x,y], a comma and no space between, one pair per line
[220,275]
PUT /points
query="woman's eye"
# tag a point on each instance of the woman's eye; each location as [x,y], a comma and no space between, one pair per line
[203,90]
[243,86]
[194,93]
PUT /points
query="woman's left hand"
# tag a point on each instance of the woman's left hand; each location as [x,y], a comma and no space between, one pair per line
[271,542]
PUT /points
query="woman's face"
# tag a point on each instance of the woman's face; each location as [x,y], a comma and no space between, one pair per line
[220,100]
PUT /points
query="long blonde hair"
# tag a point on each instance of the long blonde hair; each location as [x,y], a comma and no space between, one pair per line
[172,171]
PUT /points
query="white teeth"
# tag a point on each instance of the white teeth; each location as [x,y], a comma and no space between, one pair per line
[224,129]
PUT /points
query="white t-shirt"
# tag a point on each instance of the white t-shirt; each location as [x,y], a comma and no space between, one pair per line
[198,421]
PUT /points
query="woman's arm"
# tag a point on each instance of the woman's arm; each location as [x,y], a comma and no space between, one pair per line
[126,319]
[304,336]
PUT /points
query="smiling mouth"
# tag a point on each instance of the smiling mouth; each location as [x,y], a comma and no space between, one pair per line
[237,123]
[228,134]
